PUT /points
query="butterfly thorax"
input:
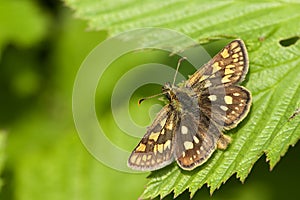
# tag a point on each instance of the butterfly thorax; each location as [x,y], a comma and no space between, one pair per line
[182,98]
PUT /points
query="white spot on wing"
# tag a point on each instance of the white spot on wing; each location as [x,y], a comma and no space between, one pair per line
[212,97]
[196,139]
[225,108]
[188,145]
[184,130]
[207,84]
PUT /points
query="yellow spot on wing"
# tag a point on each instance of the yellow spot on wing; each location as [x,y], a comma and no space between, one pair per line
[144,158]
[152,162]
[169,126]
[162,122]
[203,77]
[233,45]
[237,49]
[228,71]
[167,145]
[160,148]
[138,160]
[133,158]
[141,147]
[228,99]
[225,53]
[230,66]
[154,136]
[216,67]
[235,55]
[226,79]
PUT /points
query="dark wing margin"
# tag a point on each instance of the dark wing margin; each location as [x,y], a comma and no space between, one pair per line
[155,149]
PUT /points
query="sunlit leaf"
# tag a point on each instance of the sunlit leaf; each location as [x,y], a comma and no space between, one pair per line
[273,78]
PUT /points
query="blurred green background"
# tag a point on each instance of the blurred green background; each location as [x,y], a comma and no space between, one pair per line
[41,48]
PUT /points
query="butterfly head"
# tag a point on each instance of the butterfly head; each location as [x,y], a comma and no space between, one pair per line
[168,90]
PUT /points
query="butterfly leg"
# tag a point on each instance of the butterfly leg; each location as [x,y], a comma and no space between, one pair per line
[223,141]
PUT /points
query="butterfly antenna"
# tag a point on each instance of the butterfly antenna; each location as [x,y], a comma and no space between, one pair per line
[178,64]
[150,97]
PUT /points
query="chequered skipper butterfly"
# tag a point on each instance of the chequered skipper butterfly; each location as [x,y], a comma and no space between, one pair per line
[189,128]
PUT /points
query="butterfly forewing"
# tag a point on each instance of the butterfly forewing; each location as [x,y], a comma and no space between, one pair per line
[228,67]
[155,150]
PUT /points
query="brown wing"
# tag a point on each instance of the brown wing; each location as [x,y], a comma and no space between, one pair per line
[195,140]
[226,106]
[155,150]
[220,98]
[228,67]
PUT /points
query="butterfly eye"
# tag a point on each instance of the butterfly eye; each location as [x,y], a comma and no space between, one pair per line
[168,96]
[166,91]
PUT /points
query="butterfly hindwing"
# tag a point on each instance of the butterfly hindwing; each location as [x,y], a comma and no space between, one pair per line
[226,106]
[155,150]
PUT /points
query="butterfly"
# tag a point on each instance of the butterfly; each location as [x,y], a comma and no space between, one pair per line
[190,127]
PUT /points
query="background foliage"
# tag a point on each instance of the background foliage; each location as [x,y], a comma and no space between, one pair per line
[42,46]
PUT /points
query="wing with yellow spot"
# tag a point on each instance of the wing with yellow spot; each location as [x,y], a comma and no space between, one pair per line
[195,140]
[226,106]
[228,67]
[155,150]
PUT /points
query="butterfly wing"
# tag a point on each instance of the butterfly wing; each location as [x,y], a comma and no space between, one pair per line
[228,67]
[195,140]
[155,150]
[222,104]
[220,98]
[190,131]
[226,106]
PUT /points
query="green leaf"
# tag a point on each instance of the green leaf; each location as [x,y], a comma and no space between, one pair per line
[2,153]
[45,158]
[22,23]
[273,78]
